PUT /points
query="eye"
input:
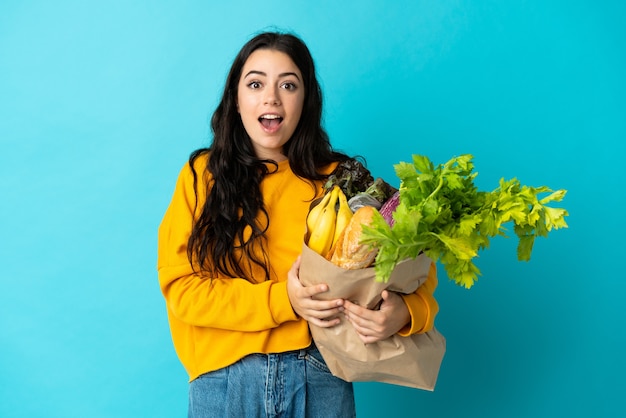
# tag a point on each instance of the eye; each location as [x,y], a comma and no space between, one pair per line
[289,86]
[254,85]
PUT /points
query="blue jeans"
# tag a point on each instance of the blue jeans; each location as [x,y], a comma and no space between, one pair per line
[295,384]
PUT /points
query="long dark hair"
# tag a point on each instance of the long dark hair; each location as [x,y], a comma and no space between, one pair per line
[234,202]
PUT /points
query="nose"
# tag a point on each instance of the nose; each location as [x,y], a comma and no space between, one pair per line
[272,96]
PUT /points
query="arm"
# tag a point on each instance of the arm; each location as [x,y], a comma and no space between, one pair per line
[402,314]
[212,302]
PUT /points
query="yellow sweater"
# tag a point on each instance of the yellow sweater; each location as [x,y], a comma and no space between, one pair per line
[215,322]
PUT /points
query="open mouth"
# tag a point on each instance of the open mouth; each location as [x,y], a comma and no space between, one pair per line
[270,121]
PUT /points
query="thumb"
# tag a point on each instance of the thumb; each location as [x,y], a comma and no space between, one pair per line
[296,264]
[385,295]
[389,300]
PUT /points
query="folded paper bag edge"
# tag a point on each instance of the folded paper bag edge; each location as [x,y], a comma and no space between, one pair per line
[406,277]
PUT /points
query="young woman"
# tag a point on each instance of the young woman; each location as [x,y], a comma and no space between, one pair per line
[229,245]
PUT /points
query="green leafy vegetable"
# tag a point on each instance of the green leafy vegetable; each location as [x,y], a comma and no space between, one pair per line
[353,179]
[443,214]
[351,176]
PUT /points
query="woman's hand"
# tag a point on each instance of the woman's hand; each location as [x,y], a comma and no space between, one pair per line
[372,326]
[322,313]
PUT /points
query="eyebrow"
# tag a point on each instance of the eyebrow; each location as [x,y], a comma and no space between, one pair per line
[281,75]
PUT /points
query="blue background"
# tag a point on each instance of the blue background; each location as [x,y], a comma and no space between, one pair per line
[102,102]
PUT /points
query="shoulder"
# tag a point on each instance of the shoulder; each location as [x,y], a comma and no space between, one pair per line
[198,160]
[330,168]
[193,176]
[195,166]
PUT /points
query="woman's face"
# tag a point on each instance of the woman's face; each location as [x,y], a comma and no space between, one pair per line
[270,99]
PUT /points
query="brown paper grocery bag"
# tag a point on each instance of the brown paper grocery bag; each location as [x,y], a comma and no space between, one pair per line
[412,361]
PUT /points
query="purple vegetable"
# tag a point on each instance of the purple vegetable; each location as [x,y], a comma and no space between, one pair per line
[389,207]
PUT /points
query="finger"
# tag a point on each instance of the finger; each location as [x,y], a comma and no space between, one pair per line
[361,325]
[366,335]
[324,307]
[294,271]
[325,323]
[292,274]
[358,311]
[316,289]
[296,264]
[330,314]
[353,307]
[369,339]
[388,300]
[366,339]
[368,324]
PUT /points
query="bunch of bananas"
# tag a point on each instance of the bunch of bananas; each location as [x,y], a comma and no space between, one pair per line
[327,220]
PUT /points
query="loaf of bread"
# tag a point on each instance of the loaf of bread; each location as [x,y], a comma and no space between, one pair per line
[347,252]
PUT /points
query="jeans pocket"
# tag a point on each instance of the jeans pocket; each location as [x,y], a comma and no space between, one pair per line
[315,359]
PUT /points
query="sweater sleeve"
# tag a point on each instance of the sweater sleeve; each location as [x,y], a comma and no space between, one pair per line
[422,305]
[226,303]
